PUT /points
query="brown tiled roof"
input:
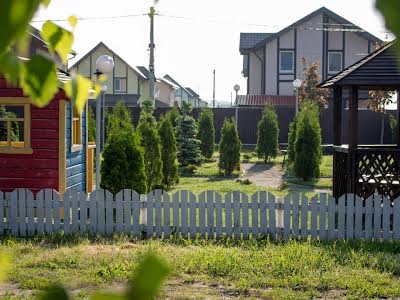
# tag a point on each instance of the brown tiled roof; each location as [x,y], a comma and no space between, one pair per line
[261,100]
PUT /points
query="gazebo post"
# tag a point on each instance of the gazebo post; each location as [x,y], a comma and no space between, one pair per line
[353,138]
[337,115]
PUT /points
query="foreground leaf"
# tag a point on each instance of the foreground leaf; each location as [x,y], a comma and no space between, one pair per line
[58,39]
[14,20]
[53,293]
[148,278]
[4,266]
[10,67]
[78,90]
[39,80]
[390,10]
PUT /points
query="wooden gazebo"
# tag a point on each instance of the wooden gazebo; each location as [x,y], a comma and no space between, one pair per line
[364,169]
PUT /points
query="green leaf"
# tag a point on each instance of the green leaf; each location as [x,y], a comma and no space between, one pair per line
[39,80]
[59,40]
[390,11]
[54,292]
[14,20]
[10,66]
[4,266]
[148,278]
[78,90]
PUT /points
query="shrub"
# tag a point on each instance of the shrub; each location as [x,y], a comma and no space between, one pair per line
[307,145]
[229,148]
[123,159]
[206,133]
[91,125]
[173,115]
[186,132]
[150,141]
[189,170]
[119,119]
[168,153]
[268,134]
[291,140]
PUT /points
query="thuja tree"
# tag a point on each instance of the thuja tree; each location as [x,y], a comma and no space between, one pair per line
[123,159]
[173,115]
[150,141]
[229,148]
[291,139]
[206,133]
[307,144]
[168,153]
[268,134]
[186,133]
[91,125]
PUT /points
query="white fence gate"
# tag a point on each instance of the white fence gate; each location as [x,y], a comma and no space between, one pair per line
[208,215]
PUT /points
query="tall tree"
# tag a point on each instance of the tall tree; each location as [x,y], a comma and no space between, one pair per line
[229,148]
[206,133]
[308,90]
[168,152]
[268,134]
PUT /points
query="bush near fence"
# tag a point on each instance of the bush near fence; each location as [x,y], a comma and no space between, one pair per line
[207,215]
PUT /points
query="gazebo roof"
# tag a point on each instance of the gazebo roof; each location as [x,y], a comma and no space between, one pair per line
[380,69]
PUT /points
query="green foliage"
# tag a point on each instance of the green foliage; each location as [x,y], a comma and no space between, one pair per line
[206,133]
[186,132]
[291,140]
[78,90]
[189,170]
[123,158]
[268,134]
[54,292]
[229,148]
[59,40]
[307,145]
[168,153]
[389,10]
[150,141]
[394,127]
[173,114]
[3,125]
[91,125]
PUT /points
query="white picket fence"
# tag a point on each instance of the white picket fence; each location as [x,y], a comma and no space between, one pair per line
[208,215]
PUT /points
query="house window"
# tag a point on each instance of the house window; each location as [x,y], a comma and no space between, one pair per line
[286,61]
[76,129]
[334,62]
[120,85]
[15,115]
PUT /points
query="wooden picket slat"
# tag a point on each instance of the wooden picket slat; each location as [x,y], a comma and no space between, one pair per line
[377,217]
[286,217]
[192,218]
[101,219]
[263,212]
[341,217]
[93,212]
[396,219]
[56,211]
[149,206]
[358,217]
[218,215]
[323,198]
[119,217]
[304,217]
[228,214]
[254,215]
[158,212]
[236,214]
[331,218]
[386,219]
[202,215]
[127,204]
[74,212]
[175,206]
[184,213]
[210,214]
[82,212]
[22,211]
[271,215]
[314,217]
[167,220]
[368,218]
[350,217]
[135,205]
[40,214]
[109,202]
[30,212]
[48,211]
[66,212]
[295,215]
[245,216]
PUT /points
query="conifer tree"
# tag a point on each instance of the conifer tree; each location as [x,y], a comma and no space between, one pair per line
[186,132]
[291,140]
[268,134]
[150,141]
[206,133]
[229,148]
[308,152]
[168,152]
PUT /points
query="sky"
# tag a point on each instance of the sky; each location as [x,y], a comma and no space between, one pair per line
[194,37]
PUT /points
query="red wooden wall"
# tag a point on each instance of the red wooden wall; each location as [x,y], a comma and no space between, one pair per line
[40,169]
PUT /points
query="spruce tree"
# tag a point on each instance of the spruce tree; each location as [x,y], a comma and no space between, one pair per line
[168,153]
[308,152]
[229,148]
[268,134]
[150,141]
[123,163]
[186,132]
[291,140]
[206,133]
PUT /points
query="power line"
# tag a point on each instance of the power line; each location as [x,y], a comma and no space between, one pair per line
[92,18]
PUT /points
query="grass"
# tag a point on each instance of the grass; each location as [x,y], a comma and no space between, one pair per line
[207,269]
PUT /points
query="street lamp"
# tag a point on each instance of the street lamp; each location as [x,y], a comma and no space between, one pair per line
[104,65]
[297,84]
[237,89]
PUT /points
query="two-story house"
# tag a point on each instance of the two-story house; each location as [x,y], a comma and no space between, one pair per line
[271,61]
[185,94]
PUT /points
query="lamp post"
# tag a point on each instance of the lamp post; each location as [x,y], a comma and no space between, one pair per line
[297,84]
[237,89]
[103,115]
[104,65]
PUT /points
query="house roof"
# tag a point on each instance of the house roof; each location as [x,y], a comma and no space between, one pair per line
[262,100]
[194,94]
[380,68]
[168,77]
[146,73]
[330,14]
[249,39]
[101,44]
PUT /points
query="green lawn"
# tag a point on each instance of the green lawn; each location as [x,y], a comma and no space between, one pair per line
[207,269]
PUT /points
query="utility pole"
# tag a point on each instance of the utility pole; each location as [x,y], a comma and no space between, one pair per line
[214,89]
[151,63]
